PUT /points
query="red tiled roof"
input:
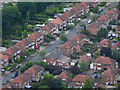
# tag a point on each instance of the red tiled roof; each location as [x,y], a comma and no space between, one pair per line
[67,45]
[85,58]
[10,51]
[3,57]
[112,11]
[118,29]
[57,21]
[116,45]
[103,17]
[34,69]
[78,37]
[105,42]
[82,4]
[111,73]
[94,27]
[35,35]
[49,26]
[81,78]
[65,75]
[21,78]
[103,60]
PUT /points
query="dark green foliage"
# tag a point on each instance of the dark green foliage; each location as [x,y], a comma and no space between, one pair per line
[83,66]
[87,84]
[102,33]
[56,83]
[106,51]
[63,37]
[12,17]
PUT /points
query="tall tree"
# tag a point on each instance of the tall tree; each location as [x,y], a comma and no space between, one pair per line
[88,84]
[11,18]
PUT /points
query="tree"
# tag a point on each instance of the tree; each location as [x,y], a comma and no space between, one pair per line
[56,83]
[116,55]
[106,51]
[63,37]
[45,86]
[25,33]
[88,84]
[83,66]
[42,53]
[102,33]
[11,18]
[95,9]
[75,70]
[19,60]
[47,78]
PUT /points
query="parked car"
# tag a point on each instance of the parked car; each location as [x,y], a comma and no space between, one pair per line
[17,67]
[89,21]
[55,35]
[12,70]
[14,75]
[107,4]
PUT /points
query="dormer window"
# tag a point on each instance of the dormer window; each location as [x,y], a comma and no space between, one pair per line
[78,82]
[77,41]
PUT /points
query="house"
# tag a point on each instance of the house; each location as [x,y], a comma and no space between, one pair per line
[85,6]
[78,81]
[112,13]
[3,60]
[58,59]
[36,72]
[37,37]
[104,19]
[117,32]
[65,76]
[50,28]
[59,22]
[67,48]
[116,46]
[94,27]
[105,43]
[79,38]
[25,44]
[102,63]
[86,58]
[22,80]
[12,52]
[75,10]
[110,77]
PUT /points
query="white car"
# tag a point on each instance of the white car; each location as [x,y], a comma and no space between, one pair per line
[89,21]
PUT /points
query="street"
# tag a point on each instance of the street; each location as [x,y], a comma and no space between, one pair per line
[52,47]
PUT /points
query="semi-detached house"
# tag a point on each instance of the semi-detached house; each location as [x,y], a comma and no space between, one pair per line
[102,63]
[111,76]
[57,58]
[102,21]
[3,60]
[37,38]
[12,52]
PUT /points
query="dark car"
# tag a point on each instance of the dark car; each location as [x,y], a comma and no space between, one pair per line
[17,67]
[14,75]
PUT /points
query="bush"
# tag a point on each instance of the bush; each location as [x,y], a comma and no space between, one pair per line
[63,37]
[109,8]
[47,40]
[19,60]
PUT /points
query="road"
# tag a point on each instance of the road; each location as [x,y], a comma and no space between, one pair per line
[50,48]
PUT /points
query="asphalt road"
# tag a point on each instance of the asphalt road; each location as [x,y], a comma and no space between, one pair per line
[50,48]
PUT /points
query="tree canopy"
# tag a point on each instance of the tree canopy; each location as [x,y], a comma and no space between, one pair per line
[88,84]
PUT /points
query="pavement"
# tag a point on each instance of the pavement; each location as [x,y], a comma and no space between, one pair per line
[50,48]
